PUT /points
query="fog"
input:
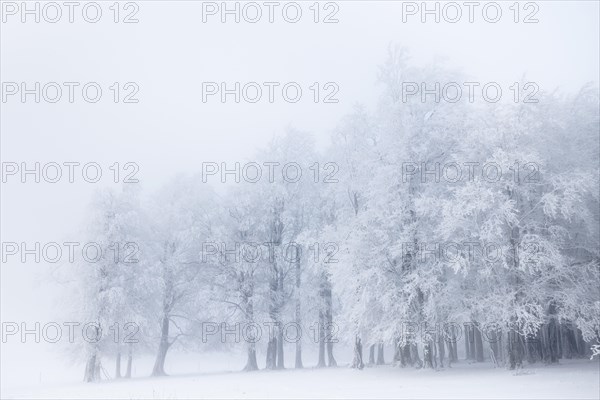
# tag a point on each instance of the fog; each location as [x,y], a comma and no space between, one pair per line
[170,54]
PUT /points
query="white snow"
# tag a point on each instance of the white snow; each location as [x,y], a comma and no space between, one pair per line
[571,379]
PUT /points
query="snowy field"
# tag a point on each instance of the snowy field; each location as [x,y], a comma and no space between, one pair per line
[569,380]
[218,376]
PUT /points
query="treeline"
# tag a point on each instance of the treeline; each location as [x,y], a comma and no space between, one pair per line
[421,213]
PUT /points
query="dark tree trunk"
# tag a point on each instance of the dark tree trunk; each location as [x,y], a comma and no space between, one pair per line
[380,356]
[427,355]
[397,352]
[559,340]
[414,355]
[272,353]
[118,366]
[251,364]
[357,361]
[167,306]
[280,364]
[468,343]
[247,291]
[551,341]
[494,346]
[500,346]
[298,363]
[515,349]
[271,359]
[406,356]
[582,348]
[372,354]
[567,341]
[454,349]
[129,361]
[442,350]
[330,358]
[452,345]
[478,344]
[275,345]
[91,369]
[329,338]
[163,347]
[532,346]
[326,338]
[321,334]
[92,365]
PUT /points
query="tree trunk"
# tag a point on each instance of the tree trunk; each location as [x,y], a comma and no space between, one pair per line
[380,357]
[298,363]
[532,346]
[330,358]
[397,351]
[559,341]
[321,334]
[442,350]
[406,357]
[427,355]
[452,345]
[118,365]
[478,344]
[275,345]
[452,351]
[163,347]
[329,337]
[468,343]
[568,341]
[326,338]
[372,354]
[414,355]
[551,330]
[251,364]
[515,351]
[271,353]
[247,290]
[494,347]
[167,304]
[93,362]
[500,347]
[357,361]
[129,361]
[272,346]
[280,364]
[582,348]
[90,369]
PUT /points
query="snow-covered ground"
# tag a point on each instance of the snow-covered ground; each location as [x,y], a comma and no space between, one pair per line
[571,379]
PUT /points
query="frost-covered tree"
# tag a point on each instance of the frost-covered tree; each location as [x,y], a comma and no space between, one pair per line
[102,279]
[180,282]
